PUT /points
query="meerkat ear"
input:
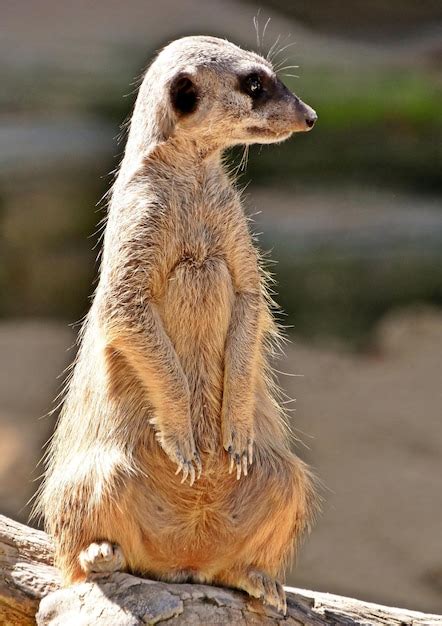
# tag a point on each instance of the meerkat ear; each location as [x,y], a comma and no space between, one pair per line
[184,94]
[182,101]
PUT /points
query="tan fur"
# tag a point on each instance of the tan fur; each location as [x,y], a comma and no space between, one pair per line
[172,370]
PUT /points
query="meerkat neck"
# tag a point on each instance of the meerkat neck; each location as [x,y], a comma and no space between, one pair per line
[187,158]
[188,150]
[185,155]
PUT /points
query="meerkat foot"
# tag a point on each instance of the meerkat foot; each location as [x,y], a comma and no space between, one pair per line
[240,450]
[102,557]
[260,585]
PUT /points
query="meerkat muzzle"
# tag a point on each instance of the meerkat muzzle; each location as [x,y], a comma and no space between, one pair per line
[310,119]
[305,116]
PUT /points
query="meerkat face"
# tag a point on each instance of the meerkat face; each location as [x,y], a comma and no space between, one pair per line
[214,94]
[223,94]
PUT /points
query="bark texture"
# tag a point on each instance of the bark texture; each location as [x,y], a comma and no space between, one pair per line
[27,577]
[26,572]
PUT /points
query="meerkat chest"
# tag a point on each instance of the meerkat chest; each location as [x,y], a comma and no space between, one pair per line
[201,260]
[204,220]
[203,232]
[199,285]
[201,240]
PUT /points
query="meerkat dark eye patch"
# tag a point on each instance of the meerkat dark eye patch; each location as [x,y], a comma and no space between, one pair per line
[258,86]
[184,94]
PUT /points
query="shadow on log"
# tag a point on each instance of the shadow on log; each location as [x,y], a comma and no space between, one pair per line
[27,577]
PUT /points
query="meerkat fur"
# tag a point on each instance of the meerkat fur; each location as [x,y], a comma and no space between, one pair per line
[171,458]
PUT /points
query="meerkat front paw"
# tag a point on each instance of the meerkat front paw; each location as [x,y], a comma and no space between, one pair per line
[238,443]
[185,455]
[102,557]
[188,466]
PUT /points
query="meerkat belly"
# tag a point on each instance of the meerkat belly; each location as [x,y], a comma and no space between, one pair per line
[197,304]
[196,310]
[182,523]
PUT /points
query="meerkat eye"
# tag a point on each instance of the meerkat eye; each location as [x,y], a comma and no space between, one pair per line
[184,95]
[253,85]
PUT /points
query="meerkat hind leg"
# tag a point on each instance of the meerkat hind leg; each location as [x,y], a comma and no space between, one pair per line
[102,557]
[257,584]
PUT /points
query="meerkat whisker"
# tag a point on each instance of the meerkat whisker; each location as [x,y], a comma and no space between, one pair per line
[273,47]
[288,45]
[256,25]
[287,67]
[264,30]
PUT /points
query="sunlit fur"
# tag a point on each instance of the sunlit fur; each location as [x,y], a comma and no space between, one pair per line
[173,355]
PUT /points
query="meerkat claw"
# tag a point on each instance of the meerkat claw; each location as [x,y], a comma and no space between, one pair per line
[259,585]
[250,451]
[232,460]
[282,598]
[189,470]
[192,473]
[186,465]
[179,468]
[240,460]
[244,464]
[185,473]
[238,466]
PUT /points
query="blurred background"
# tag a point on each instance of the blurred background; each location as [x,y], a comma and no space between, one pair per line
[351,214]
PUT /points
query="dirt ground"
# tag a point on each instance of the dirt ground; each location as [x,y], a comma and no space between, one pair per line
[373,431]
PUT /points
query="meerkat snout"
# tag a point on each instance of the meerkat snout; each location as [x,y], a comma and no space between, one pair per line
[306,117]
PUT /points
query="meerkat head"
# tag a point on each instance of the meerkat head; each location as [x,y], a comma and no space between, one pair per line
[211,91]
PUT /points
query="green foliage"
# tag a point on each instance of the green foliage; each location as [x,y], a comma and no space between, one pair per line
[327,295]
[383,128]
[371,97]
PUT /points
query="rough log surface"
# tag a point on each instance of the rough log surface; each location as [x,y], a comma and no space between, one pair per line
[26,572]
[28,576]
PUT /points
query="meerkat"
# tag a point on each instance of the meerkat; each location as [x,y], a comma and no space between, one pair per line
[171,458]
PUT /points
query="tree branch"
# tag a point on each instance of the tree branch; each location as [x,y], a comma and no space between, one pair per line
[27,575]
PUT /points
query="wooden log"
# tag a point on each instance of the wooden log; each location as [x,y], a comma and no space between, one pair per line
[26,572]
[27,577]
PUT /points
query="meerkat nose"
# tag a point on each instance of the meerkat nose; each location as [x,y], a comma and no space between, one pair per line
[310,119]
